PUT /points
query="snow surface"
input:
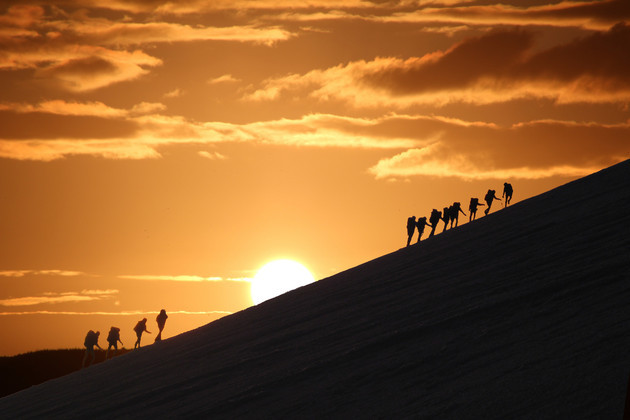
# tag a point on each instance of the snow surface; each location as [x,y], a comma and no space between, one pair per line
[520,314]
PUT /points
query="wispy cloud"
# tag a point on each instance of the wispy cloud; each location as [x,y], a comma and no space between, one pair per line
[226,78]
[183,278]
[79,53]
[57,297]
[594,15]
[501,66]
[539,149]
[22,273]
[212,155]
[154,131]
[122,313]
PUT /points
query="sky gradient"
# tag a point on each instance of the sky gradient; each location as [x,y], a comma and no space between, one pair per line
[156,154]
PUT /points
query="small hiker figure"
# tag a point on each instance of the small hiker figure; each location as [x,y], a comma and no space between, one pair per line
[91,340]
[446,217]
[411,228]
[507,193]
[140,327]
[113,338]
[161,321]
[421,223]
[455,209]
[490,195]
[435,217]
[472,207]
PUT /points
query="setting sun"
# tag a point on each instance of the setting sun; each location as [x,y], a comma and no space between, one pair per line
[278,277]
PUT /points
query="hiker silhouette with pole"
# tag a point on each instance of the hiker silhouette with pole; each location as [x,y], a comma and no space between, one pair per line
[455,209]
[490,195]
[507,193]
[411,228]
[161,321]
[472,207]
[113,338]
[140,327]
[446,217]
[435,217]
[421,223]
[91,340]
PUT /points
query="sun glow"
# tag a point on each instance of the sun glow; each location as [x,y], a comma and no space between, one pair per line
[278,277]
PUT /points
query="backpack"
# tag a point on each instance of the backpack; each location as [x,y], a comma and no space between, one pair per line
[114,335]
[90,339]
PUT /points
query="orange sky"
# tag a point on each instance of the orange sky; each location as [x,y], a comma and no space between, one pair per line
[156,154]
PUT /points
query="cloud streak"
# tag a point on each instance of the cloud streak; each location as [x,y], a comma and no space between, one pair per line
[56,298]
[183,278]
[122,313]
[500,66]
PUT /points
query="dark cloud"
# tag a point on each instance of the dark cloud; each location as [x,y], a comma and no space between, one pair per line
[603,55]
[464,64]
[36,125]
[504,57]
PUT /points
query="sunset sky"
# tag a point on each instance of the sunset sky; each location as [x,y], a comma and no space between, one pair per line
[157,154]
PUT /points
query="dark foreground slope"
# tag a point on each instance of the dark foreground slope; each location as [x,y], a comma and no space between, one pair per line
[28,369]
[521,314]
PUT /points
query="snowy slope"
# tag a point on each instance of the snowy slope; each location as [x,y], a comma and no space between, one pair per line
[521,314]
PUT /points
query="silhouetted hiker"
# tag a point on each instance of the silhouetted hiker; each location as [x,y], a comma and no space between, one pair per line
[446,217]
[113,338]
[472,207]
[140,327]
[490,195]
[421,223]
[91,340]
[161,321]
[507,193]
[411,228]
[435,217]
[455,209]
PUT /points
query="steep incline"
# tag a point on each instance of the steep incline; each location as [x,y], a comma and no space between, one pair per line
[521,314]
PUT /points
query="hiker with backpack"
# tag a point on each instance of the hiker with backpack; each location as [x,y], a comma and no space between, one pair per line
[411,228]
[421,223]
[113,338]
[507,193]
[454,213]
[140,327]
[490,195]
[91,340]
[435,217]
[161,321]
[446,217]
[472,207]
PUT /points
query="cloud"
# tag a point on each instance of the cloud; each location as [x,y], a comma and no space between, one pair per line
[226,78]
[212,155]
[184,7]
[175,93]
[593,15]
[500,66]
[182,278]
[534,150]
[22,273]
[427,145]
[30,136]
[122,313]
[78,53]
[55,297]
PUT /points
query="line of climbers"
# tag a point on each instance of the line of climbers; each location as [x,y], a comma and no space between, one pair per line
[450,215]
[113,338]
